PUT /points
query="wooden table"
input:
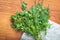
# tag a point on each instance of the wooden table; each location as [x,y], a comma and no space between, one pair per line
[9,7]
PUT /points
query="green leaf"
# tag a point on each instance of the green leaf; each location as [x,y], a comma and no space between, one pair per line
[13,25]
[24,5]
[13,18]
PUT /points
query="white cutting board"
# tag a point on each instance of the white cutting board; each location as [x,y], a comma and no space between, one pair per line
[54,32]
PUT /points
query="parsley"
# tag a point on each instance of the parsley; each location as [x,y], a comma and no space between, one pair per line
[33,21]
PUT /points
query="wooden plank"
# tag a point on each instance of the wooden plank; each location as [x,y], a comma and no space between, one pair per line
[9,7]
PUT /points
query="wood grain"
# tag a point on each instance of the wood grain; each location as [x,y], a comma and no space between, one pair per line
[9,7]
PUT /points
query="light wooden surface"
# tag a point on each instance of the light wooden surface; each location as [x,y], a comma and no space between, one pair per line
[9,7]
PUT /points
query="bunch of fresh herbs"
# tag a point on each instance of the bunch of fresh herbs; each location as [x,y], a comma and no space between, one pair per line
[33,21]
